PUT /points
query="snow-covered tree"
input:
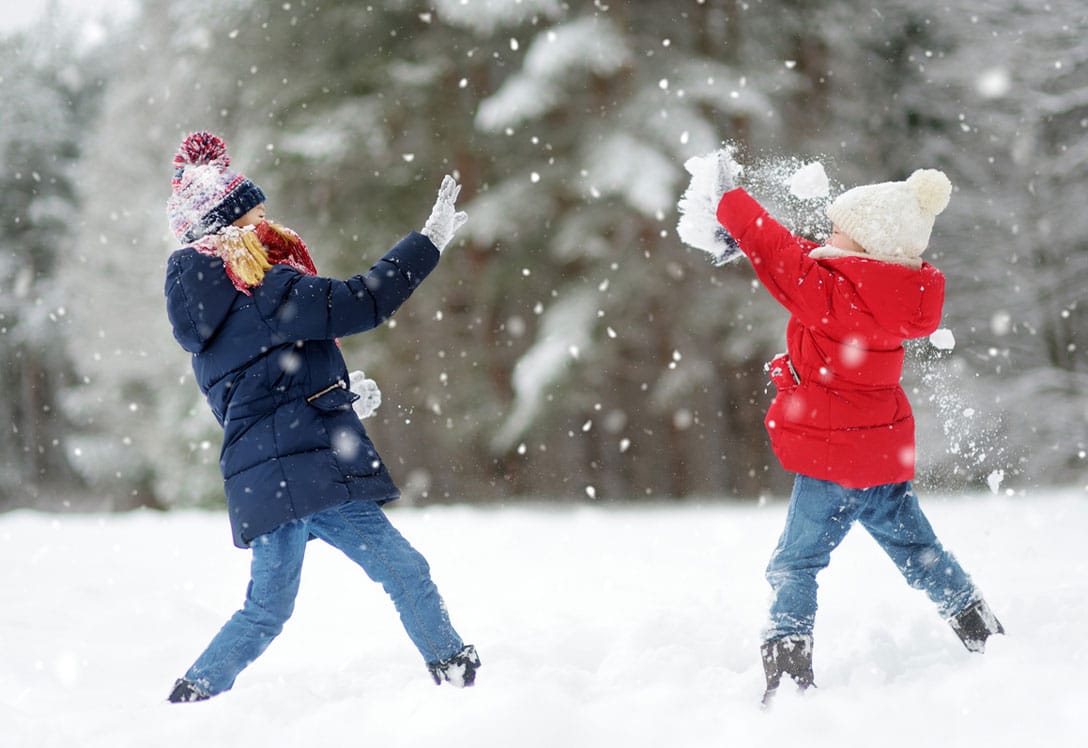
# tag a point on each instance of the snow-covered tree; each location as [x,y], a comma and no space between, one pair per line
[46,98]
[145,436]
[648,389]
[569,344]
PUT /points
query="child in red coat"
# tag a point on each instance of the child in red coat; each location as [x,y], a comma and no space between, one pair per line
[840,419]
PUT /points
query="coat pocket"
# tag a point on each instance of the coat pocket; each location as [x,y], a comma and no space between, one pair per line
[351,447]
[336,397]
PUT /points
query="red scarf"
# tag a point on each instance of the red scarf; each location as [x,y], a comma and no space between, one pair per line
[285,247]
[246,261]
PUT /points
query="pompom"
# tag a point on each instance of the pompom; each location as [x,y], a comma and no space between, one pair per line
[202,148]
[932,189]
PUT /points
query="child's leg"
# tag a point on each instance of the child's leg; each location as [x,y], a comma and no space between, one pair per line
[895,520]
[270,599]
[819,517]
[362,531]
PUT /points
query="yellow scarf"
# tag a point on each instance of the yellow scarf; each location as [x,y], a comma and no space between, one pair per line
[244,254]
[248,252]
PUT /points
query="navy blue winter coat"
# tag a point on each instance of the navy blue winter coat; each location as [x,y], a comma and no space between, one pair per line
[261,359]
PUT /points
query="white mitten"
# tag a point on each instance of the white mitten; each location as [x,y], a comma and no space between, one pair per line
[712,176]
[370,397]
[445,220]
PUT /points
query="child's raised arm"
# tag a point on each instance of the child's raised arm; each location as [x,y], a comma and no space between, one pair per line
[304,307]
[779,257]
[308,307]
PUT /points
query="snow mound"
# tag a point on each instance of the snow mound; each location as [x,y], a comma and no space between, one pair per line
[636,625]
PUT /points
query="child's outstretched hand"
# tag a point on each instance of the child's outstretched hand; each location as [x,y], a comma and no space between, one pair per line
[712,176]
[370,397]
[445,220]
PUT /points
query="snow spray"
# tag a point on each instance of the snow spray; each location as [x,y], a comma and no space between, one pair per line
[796,192]
[972,439]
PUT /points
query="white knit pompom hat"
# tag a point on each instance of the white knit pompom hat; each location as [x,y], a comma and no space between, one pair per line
[893,220]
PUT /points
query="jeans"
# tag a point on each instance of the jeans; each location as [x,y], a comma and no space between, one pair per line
[362,531]
[820,515]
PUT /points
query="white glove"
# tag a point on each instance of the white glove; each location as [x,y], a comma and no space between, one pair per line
[728,171]
[712,176]
[444,220]
[370,397]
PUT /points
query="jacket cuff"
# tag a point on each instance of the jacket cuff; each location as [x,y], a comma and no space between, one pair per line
[415,255]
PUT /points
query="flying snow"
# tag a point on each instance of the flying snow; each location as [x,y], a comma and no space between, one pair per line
[943,339]
[994,83]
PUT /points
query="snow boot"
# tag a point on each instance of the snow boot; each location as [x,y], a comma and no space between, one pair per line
[788,655]
[459,670]
[974,624]
[184,692]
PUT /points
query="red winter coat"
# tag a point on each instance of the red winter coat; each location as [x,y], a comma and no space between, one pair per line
[844,417]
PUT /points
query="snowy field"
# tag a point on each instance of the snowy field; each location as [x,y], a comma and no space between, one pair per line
[597,627]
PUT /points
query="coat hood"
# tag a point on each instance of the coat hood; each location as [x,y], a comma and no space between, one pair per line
[903,301]
[199,296]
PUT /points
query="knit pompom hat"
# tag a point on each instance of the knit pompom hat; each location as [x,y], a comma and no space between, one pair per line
[893,220]
[207,195]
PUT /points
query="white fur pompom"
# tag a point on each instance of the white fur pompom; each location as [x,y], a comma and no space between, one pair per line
[932,188]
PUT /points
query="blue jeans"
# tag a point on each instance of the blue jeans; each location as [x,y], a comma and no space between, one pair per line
[361,530]
[820,515]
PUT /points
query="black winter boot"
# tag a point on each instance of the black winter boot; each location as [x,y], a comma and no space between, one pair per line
[459,670]
[184,691]
[975,624]
[788,655]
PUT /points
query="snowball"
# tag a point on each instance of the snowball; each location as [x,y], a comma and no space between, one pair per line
[809,182]
[993,480]
[943,339]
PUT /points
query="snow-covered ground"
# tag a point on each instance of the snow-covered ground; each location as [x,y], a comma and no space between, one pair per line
[620,626]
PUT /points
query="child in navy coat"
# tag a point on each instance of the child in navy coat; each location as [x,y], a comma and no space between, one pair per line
[840,420]
[244,299]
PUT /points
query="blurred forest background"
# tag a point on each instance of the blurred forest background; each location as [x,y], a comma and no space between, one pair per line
[569,347]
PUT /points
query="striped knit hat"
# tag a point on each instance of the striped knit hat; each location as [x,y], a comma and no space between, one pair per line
[207,195]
